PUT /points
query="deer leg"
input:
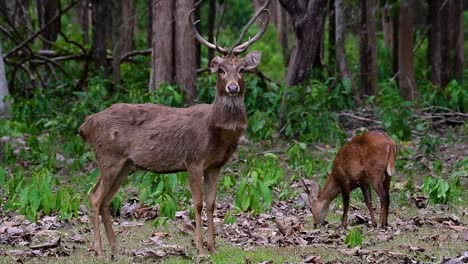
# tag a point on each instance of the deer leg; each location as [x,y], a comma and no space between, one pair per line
[345,195]
[383,196]
[386,187]
[195,179]
[107,175]
[211,181]
[366,191]
[105,209]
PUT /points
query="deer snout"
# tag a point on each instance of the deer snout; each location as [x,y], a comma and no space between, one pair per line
[232,88]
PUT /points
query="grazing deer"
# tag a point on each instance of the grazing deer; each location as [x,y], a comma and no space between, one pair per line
[369,159]
[199,139]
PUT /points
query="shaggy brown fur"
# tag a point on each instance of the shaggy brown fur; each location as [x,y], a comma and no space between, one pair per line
[198,139]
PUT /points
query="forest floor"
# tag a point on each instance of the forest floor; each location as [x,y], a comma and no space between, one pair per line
[419,231]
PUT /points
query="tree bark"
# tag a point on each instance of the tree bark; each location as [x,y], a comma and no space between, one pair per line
[118,39]
[100,12]
[331,33]
[308,19]
[387,26]
[458,39]
[407,81]
[211,23]
[4,106]
[185,57]
[283,30]
[435,41]
[46,10]
[128,26]
[340,34]
[84,19]
[149,30]
[368,47]
[162,63]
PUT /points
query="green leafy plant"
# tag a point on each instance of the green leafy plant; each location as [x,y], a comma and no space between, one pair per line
[354,238]
[441,191]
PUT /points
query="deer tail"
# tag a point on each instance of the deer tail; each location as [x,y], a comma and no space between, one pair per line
[391,160]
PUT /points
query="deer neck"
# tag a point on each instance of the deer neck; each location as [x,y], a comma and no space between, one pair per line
[330,190]
[229,113]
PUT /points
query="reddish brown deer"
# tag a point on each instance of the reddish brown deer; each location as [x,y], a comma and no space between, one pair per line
[369,159]
[199,139]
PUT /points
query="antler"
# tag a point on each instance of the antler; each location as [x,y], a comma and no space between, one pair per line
[236,48]
[201,39]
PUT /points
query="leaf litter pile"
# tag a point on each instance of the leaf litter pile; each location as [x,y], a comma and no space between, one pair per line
[283,226]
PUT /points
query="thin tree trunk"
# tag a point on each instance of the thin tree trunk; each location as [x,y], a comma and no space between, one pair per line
[149,30]
[406,78]
[185,57]
[387,26]
[368,47]
[118,39]
[211,23]
[331,34]
[396,24]
[4,106]
[128,26]
[282,29]
[100,12]
[458,39]
[162,64]
[84,19]
[340,34]
[46,10]
[435,41]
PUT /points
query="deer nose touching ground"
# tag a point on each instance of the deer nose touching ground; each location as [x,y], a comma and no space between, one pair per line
[369,159]
[199,139]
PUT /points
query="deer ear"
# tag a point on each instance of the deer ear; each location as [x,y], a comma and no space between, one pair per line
[252,60]
[214,64]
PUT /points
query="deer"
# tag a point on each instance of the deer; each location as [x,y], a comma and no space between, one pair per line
[199,139]
[368,159]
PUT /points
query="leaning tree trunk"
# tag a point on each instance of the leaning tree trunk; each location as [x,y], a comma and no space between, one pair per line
[4,106]
[185,57]
[100,12]
[407,82]
[340,33]
[308,19]
[162,54]
[387,26]
[47,10]
[368,47]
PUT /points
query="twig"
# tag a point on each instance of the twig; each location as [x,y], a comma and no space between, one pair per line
[359,117]
[134,53]
[426,32]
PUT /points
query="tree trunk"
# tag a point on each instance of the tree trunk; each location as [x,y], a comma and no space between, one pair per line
[84,19]
[368,47]
[185,57]
[149,30]
[396,24]
[458,44]
[118,39]
[435,41]
[283,30]
[308,18]
[162,63]
[407,82]
[211,23]
[387,26]
[4,106]
[100,13]
[46,10]
[331,34]
[128,27]
[340,34]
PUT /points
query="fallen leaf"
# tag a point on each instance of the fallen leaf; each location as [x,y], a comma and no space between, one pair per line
[312,259]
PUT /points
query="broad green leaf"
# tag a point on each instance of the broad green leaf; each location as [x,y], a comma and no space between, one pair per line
[354,238]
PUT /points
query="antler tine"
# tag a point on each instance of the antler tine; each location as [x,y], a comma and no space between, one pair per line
[201,39]
[236,48]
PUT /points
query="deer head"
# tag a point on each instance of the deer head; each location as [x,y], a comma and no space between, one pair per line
[318,207]
[230,67]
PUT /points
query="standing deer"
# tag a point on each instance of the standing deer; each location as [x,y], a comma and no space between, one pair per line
[199,139]
[369,159]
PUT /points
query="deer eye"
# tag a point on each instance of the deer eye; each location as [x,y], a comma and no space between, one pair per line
[241,70]
[221,71]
